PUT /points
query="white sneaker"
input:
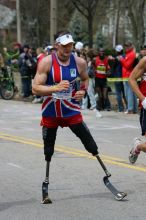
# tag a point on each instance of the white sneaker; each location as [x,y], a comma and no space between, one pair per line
[96,96]
[83,108]
[137,141]
[134,152]
[92,107]
[37,100]
[98,114]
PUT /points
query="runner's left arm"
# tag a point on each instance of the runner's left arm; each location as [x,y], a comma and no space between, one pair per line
[82,68]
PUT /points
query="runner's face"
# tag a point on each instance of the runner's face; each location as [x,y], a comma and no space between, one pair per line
[64,51]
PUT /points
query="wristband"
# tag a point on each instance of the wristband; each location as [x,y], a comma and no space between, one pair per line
[83,87]
[144,103]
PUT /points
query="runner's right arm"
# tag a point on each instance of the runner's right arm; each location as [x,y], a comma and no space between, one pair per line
[137,73]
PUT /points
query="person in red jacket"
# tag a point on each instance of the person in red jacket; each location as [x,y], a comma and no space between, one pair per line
[127,67]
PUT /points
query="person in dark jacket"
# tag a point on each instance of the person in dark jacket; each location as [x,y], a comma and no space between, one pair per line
[25,64]
[116,72]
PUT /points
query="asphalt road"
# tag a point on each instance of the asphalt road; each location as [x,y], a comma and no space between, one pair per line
[76,186]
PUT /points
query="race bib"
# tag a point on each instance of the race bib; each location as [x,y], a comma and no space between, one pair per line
[65,94]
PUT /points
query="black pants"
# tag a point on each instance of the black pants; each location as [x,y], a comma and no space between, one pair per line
[26,86]
[142,120]
[80,130]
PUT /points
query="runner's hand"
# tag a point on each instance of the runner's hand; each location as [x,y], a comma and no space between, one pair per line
[144,103]
[63,85]
[79,95]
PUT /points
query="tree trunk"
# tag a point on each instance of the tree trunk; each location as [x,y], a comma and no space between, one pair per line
[90,31]
[135,12]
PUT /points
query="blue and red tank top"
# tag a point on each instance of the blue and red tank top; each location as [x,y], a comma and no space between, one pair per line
[53,107]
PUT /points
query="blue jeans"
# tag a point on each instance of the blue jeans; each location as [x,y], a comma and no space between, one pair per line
[26,86]
[91,92]
[132,104]
[91,95]
[120,95]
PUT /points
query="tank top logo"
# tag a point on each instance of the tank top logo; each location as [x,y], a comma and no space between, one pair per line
[73,72]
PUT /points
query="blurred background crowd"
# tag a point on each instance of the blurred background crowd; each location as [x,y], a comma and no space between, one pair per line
[108,72]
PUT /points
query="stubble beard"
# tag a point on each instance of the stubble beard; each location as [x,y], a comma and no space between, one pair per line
[62,57]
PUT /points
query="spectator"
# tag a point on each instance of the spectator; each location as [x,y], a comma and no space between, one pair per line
[116,72]
[127,67]
[2,64]
[81,53]
[101,87]
[33,59]
[91,73]
[78,48]
[11,55]
[24,67]
[142,53]
[49,49]
[40,55]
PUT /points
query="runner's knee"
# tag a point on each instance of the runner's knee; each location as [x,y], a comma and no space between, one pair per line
[82,131]
[91,146]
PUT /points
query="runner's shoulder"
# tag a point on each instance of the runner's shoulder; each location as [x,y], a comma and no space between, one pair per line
[47,60]
[45,64]
[80,60]
[143,60]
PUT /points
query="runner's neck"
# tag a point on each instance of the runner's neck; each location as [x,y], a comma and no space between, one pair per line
[65,61]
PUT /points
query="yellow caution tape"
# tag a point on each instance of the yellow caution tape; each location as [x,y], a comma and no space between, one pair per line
[117,79]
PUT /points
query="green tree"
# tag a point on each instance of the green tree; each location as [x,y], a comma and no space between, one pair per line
[78,28]
[87,8]
[136,14]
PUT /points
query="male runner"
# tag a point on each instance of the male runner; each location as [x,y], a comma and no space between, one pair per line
[140,90]
[56,80]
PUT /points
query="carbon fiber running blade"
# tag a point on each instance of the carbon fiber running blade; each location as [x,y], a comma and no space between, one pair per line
[118,195]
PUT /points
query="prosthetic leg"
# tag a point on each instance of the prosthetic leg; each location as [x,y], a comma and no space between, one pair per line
[45,197]
[117,194]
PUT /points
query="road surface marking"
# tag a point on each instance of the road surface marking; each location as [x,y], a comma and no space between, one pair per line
[15,165]
[80,153]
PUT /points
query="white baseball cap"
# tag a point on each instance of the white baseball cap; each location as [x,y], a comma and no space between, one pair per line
[79,45]
[65,39]
[49,47]
[119,48]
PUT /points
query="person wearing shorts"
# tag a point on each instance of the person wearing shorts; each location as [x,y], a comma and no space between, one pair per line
[140,90]
[57,80]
